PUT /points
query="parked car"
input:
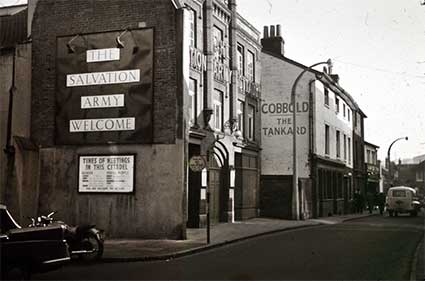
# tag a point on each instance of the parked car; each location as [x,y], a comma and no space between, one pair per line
[30,250]
[402,199]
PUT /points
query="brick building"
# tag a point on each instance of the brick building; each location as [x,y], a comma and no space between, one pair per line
[223,114]
[122,95]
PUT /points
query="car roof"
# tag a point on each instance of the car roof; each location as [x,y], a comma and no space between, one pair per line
[402,188]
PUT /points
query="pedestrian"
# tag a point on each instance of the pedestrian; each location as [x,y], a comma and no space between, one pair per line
[380,198]
[369,200]
[358,201]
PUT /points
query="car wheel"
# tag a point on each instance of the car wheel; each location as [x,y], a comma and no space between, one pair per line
[413,213]
[92,243]
[391,213]
[396,214]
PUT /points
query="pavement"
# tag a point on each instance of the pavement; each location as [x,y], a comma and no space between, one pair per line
[125,250]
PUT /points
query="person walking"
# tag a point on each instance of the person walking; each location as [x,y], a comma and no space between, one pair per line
[380,198]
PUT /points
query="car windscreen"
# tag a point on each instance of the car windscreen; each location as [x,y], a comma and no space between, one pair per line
[399,193]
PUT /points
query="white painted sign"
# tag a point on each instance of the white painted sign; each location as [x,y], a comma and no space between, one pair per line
[102,125]
[103,78]
[100,55]
[277,123]
[111,173]
[105,101]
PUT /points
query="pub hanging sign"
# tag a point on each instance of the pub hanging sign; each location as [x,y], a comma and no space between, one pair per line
[104,88]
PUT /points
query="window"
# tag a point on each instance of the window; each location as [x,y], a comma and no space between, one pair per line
[251,120]
[338,144]
[218,43]
[250,68]
[218,110]
[345,147]
[241,120]
[326,96]
[343,110]
[327,140]
[348,114]
[241,60]
[337,104]
[349,150]
[193,100]
[399,193]
[192,20]
[355,119]
[368,157]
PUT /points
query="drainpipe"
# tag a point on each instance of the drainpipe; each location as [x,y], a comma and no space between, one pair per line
[233,62]
[9,149]
[209,75]
[313,166]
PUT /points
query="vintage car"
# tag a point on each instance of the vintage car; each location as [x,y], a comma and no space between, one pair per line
[402,199]
[30,249]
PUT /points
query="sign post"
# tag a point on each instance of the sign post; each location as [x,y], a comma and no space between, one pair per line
[197,163]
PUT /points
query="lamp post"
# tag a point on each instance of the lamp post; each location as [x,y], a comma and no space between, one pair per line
[295,194]
[388,155]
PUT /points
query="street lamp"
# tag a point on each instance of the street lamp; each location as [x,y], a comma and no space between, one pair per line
[388,155]
[295,195]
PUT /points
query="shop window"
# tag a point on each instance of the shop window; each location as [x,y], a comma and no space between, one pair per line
[251,120]
[329,183]
[241,119]
[250,66]
[340,186]
[218,110]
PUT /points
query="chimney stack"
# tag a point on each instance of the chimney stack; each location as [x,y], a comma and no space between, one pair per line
[273,42]
[266,32]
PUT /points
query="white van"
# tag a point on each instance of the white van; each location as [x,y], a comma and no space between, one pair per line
[402,199]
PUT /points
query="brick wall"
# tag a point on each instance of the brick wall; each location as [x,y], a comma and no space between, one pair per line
[156,208]
[61,17]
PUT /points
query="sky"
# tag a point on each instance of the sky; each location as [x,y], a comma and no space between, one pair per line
[377,48]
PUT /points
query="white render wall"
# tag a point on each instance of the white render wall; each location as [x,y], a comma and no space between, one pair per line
[336,121]
[278,77]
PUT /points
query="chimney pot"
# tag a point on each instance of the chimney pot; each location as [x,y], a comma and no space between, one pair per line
[273,42]
[272,31]
[266,32]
